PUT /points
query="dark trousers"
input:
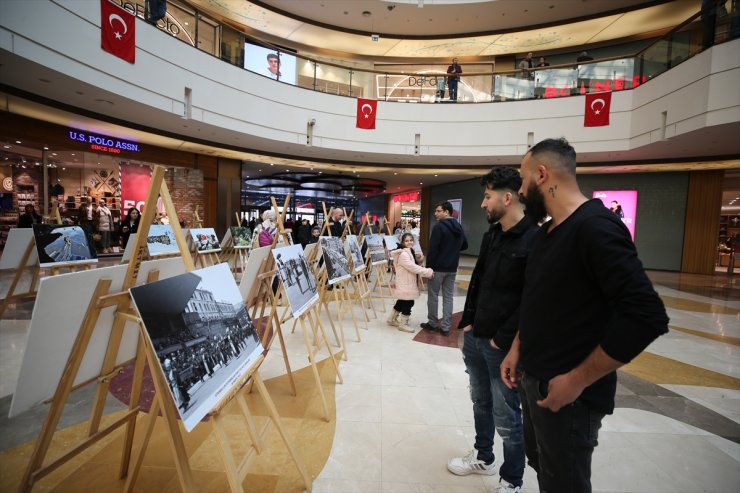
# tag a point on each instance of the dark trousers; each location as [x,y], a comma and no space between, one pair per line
[404,306]
[559,445]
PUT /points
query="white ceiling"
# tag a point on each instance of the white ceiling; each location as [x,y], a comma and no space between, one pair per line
[501,27]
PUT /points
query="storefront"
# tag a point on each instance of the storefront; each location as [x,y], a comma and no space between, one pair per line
[405,208]
[49,166]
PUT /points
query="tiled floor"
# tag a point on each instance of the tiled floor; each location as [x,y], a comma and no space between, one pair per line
[404,408]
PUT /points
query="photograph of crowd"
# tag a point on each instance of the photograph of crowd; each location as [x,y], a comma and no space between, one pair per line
[203,336]
[241,237]
[356,252]
[298,281]
[56,244]
[205,240]
[161,240]
[337,264]
[375,248]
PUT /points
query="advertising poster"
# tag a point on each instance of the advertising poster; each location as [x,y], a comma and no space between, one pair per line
[456,209]
[134,185]
[623,203]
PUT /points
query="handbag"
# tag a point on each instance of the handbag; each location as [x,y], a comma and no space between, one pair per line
[97,237]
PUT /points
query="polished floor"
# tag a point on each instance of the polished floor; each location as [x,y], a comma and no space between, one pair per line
[404,409]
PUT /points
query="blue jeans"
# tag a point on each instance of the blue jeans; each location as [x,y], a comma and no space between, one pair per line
[494,406]
[559,445]
[452,88]
[446,281]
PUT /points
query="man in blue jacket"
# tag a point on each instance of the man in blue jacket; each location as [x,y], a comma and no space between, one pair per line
[445,244]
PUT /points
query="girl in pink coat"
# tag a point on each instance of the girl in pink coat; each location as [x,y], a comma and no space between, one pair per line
[407,287]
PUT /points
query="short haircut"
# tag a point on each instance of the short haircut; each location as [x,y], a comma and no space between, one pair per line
[558,152]
[272,56]
[502,179]
[445,206]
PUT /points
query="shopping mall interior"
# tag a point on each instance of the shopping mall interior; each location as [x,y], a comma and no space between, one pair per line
[221,111]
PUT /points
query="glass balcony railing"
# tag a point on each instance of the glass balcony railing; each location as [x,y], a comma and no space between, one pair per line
[426,83]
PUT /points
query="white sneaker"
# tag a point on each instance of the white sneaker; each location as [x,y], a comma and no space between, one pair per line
[506,487]
[462,466]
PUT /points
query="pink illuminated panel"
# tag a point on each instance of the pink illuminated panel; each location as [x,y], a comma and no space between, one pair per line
[622,203]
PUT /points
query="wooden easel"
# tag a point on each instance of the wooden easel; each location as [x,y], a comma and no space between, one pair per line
[197,221]
[237,257]
[312,315]
[11,295]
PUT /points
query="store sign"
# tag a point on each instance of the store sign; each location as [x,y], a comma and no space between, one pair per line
[170,24]
[103,143]
[406,197]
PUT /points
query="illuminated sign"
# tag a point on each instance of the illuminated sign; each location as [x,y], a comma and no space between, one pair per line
[623,203]
[406,197]
[103,143]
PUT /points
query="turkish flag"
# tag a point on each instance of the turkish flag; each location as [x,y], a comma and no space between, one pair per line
[366,109]
[597,109]
[117,31]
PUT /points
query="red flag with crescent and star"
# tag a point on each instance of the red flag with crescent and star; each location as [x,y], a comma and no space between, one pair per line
[117,31]
[597,109]
[366,109]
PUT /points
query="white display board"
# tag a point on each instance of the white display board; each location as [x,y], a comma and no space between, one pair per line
[57,316]
[129,248]
[15,247]
[249,275]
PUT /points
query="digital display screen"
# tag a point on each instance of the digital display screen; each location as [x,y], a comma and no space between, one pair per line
[623,203]
[270,63]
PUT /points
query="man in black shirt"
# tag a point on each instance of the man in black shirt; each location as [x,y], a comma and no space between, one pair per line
[587,309]
[490,321]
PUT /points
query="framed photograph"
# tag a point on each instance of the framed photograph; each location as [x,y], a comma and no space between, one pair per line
[391,242]
[161,240]
[205,240]
[356,252]
[297,279]
[203,336]
[57,244]
[375,248]
[337,265]
[241,236]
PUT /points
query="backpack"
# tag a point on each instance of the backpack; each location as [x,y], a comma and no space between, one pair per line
[265,237]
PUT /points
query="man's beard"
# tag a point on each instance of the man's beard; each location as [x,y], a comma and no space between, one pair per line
[534,204]
[494,216]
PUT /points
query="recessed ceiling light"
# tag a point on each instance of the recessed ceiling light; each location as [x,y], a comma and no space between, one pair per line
[17,141]
[46,148]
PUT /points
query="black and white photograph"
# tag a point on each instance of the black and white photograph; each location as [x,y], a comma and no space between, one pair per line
[375,248]
[205,240]
[298,281]
[203,336]
[356,252]
[391,242]
[56,244]
[337,264]
[241,236]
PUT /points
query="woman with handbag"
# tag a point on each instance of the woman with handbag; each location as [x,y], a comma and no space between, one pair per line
[105,225]
[406,288]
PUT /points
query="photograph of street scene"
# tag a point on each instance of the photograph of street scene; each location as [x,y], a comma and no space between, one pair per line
[298,281]
[203,336]
[205,240]
[356,253]
[375,248]
[337,265]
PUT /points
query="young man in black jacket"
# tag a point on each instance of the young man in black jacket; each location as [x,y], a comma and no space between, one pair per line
[445,244]
[490,321]
[587,309]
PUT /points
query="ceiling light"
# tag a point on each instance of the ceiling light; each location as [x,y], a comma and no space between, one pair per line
[17,141]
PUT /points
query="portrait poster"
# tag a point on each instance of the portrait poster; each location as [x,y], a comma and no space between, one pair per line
[297,279]
[205,240]
[623,203]
[375,248]
[241,236]
[160,240]
[62,245]
[204,338]
[337,264]
[356,252]
[456,209]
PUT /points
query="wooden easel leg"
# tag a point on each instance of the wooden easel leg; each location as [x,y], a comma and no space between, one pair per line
[314,368]
[135,465]
[285,354]
[345,295]
[18,274]
[138,377]
[339,319]
[318,327]
[279,425]
[232,474]
[331,322]
[251,428]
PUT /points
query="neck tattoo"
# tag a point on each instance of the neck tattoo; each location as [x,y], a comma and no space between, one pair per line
[552,190]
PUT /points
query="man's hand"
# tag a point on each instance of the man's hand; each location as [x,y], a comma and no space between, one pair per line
[493,344]
[561,391]
[509,375]
[467,328]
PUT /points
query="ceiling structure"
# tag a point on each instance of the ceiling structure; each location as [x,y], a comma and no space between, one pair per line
[108,113]
[446,28]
